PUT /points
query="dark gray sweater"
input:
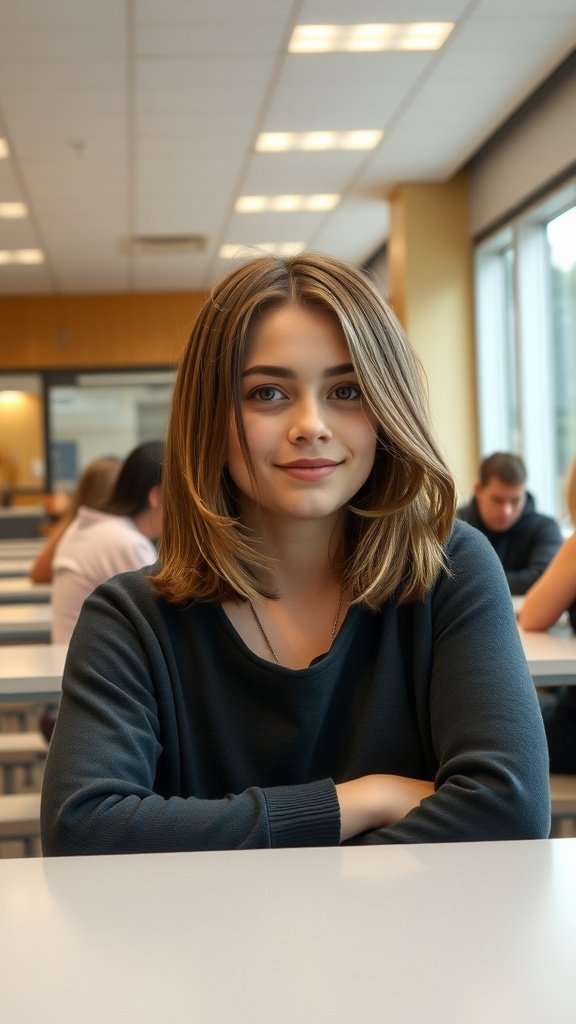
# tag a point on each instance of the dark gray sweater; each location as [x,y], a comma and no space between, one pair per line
[525,549]
[172,735]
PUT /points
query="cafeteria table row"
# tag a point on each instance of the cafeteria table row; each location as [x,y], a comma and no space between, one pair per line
[31,671]
[14,567]
[447,933]
[34,671]
[16,589]
[21,548]
[25,621]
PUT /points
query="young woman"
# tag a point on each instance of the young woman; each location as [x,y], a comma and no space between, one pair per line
[323,656]
[553,594]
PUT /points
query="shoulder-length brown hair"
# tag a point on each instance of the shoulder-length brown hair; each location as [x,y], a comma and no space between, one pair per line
[399,520]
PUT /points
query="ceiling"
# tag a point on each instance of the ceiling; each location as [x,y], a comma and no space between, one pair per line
[133,118]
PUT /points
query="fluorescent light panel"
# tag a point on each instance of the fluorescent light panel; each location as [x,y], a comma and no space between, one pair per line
[28,256]
[281,142]
[244,252]
[4,151]
[286,203]
[369,38]
[12,210]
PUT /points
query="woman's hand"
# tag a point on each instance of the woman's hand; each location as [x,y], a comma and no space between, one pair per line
[374,801]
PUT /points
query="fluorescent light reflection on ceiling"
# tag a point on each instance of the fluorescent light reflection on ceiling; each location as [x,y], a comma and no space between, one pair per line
[4,151]
[27,256]
[286,203]
[369,38]
[281,142]
[11,211]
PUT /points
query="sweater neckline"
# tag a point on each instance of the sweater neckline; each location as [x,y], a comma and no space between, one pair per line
[316,665]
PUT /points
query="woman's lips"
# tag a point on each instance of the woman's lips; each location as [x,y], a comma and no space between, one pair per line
[309,469]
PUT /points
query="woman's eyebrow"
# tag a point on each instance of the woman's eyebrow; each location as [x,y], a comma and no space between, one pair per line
[287,374]
[270,371]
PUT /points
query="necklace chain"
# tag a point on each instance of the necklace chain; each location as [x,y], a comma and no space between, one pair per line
[267,639]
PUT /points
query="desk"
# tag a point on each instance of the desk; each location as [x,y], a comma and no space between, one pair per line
[22,522]
[14,589]
[455,933]
[31,671]
[551,656]
[21,548]
[15,567]
[25,622]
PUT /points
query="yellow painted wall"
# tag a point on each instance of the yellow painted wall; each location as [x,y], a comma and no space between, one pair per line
[431,290]
[48,332]
[21,440]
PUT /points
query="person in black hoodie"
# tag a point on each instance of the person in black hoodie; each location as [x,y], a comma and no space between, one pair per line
[504,511]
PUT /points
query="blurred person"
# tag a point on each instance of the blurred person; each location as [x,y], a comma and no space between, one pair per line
[322,655]
[99,543]
[93,490]
[505,512]
[553,594]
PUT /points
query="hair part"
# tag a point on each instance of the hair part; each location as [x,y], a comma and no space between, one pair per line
[397,523]
[507,467]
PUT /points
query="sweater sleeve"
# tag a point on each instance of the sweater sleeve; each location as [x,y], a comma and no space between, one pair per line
[544,543]
[486,728]
[100,792]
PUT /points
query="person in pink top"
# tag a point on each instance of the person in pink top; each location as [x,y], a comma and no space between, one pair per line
[100,543]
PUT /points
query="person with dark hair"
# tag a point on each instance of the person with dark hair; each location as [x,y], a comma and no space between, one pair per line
[322,655]
[505,512]
[116,538]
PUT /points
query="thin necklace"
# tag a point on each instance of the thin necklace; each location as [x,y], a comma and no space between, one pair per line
[267,639]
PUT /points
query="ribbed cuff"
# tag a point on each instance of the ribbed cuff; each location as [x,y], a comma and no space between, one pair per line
[306,815]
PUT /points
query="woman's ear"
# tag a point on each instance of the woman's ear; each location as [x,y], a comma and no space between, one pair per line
[155,496]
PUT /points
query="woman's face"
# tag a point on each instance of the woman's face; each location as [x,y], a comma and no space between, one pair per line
[311,441]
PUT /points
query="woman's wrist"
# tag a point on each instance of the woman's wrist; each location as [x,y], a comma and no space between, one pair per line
[356,813]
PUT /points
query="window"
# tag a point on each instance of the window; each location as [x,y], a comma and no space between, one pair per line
[561,236]
[526,342]
[53,423]
[103,413]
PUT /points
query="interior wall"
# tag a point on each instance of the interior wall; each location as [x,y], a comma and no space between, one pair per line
[431,290]
[538,147]
[49,332]
[21,440]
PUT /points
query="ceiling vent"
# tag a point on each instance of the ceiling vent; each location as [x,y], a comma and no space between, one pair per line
[162,245]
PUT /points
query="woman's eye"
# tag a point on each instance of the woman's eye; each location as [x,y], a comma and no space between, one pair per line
[347,392]
[266,393]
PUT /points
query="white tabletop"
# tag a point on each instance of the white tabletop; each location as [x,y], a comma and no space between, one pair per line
[32,621]
[21,548]
[14,566]
[31,671]
[18,589]
[453,933]
[551,656]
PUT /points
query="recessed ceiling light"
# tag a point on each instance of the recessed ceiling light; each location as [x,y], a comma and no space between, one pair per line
[21,256]
[286,203]
[13,210]
[245,252]
[280,142]
[4,151]
[29,256]
[428,35]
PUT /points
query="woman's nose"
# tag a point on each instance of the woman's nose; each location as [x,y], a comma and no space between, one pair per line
[309,423]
